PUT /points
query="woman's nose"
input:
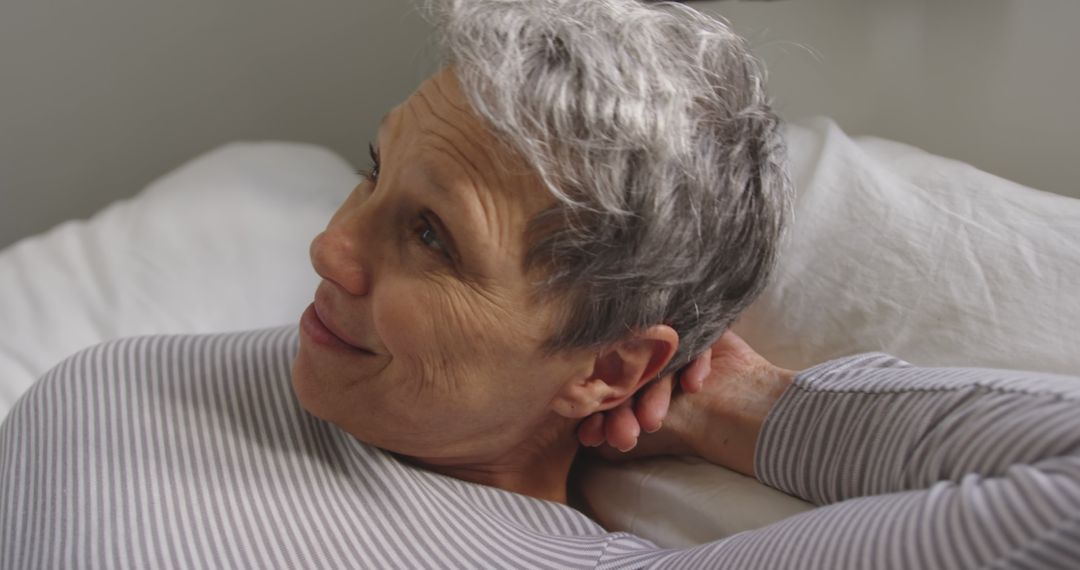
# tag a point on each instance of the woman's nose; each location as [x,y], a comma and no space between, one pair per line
[336,257]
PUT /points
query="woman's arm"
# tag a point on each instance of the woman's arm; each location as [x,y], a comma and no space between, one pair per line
[918,467]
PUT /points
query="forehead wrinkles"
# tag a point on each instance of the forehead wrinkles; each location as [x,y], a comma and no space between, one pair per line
[474,148]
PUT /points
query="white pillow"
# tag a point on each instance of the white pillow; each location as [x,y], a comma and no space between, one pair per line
[219,244]
[895,249]
[891,249]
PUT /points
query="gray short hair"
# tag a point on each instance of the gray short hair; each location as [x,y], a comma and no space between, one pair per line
[651,127]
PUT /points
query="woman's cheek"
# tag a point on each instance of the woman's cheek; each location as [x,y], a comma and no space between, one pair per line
[410,320]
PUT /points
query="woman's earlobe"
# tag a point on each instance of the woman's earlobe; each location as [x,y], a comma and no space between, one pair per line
[580,398]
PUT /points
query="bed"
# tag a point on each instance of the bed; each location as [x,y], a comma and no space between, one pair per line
[891,249]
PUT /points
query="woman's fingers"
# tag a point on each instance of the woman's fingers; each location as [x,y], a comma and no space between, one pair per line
[652,406]
[621,427]
[591,430]
[693,376]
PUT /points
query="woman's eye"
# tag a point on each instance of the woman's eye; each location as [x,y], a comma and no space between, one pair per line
[430,238]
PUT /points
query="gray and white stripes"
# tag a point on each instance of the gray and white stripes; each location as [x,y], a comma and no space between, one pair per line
[190,451]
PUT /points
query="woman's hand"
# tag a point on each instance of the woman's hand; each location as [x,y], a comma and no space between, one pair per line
[720,423]
[621,426]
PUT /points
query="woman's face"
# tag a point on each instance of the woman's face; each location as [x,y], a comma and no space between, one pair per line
[422,267]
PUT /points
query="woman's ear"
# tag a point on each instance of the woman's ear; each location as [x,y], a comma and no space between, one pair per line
[618,372]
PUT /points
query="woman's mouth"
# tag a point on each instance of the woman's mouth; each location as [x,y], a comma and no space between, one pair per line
[312,325]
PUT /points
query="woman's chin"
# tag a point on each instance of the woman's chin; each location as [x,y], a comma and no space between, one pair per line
[331,396]
[310,392]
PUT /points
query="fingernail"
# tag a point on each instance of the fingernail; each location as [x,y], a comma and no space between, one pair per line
[658,426]
[632,446]
[597,444]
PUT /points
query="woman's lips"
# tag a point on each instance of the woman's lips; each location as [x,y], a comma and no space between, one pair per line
[317,330]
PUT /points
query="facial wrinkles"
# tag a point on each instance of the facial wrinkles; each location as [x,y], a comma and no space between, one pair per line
[449,382]
[473,147]
[488,282]
[464,310]
[513,194]
[486,172]
[460,304]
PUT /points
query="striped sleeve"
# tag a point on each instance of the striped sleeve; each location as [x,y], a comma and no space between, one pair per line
[914,468]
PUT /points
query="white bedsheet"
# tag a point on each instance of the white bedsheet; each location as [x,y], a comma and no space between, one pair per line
[892,249]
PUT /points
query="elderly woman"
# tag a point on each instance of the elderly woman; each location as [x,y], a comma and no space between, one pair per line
[548,224]
[580,202]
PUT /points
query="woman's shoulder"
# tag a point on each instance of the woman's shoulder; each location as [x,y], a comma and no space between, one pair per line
[158,368]
[124,355]
[216,393]
[278,337]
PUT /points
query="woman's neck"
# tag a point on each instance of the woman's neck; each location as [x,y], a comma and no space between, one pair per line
[538,468]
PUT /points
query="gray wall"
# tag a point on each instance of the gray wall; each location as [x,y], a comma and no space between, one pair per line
[98,98]
[995,83]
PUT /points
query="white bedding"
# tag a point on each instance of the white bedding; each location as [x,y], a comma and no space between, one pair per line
[892,249]
[219,244]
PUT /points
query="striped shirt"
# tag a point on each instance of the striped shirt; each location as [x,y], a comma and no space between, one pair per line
[191,451]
